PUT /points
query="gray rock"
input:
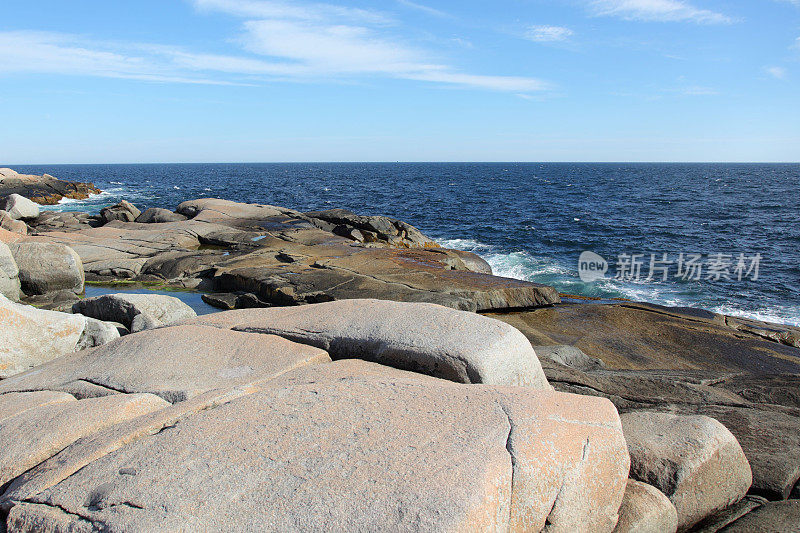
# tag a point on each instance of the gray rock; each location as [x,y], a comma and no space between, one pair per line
[772,517]
[124,308]
[175,363]
[158,215]
[10,224]
[19,208]
[97,333]
[144,321]
[48,267]
[645,509]
[694,460]
[123,211]
[426,338]
[348,446]
[9,274]
[31,336]
[568,356]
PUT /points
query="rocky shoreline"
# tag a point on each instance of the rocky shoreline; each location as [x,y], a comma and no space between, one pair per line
[364,378]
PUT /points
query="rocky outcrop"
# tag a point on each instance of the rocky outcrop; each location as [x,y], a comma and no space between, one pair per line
[135,311]
[425,338]
[156,215]
[370,229]
[372,439]
[175,363]
[47,267]
[7,222]
[694,460]
[645,509]
[45,189]
[30,336]
[9,274]
[283,257]
[26,445]
[19,208]
[124,211]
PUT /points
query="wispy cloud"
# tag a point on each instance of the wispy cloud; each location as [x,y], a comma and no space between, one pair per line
[657,10]
[548,34]
[423,8]
[778,73]
[278,41]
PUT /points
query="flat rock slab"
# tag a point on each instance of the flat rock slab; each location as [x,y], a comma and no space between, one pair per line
[772,517]
[353,446]
[31,336]
[36,434]
[425,338]
[642,336]
[174,363]
[694,460]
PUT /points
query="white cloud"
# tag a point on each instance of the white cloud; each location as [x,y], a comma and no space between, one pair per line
[778,73]
[425,9]
[548,34]
[280,41]
[658,10]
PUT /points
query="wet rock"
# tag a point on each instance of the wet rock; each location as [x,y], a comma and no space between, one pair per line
[694,460]
[47,267]
[426,338]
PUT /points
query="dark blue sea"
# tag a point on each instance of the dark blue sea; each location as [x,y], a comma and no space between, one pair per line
[532,221]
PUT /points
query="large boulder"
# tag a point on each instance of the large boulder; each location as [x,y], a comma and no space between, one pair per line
[7,222]
[123,211]
[97,333]
[175,363]
[19,208]
[124,308]
[693,460]
[214,209]
[36,434]
[31,336]
[426,338]
[345,446]
[48,267]
[9,274]
[645,509]
[159,215]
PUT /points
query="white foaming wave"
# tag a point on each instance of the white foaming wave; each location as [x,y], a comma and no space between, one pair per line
[786,316]
[466,245]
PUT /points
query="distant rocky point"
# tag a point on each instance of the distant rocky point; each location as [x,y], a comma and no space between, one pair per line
[44,189]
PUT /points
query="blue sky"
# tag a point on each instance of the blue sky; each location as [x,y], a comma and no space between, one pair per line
[399,80]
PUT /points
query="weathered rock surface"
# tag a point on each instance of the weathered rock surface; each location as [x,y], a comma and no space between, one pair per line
[14,403]
[645,509]
[124,211]
[8,223]
[348,445]
[772,517]
[425,338]
[9,274]
[46,267]
[155,215]
[25,444]
[568,356]
[30,336]
[125,308]
[8,237]
[693,460]
[45,189]
[97,333]
[283,257]
[175,363]
[19,208]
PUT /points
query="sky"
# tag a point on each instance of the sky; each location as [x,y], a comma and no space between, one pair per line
[399,80]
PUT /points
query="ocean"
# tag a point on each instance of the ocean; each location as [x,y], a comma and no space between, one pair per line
[723,237]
